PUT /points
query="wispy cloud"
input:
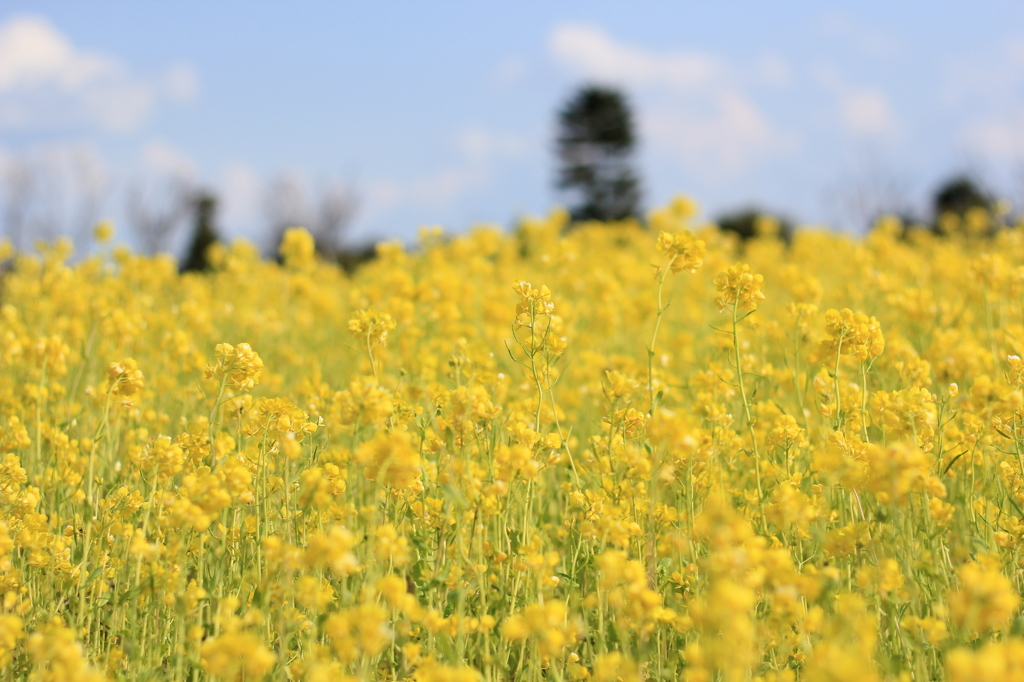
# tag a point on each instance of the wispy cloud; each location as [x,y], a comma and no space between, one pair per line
[1000,138]
[696,106]
[47,82]
[987,84]
[861,110]
[480,144]
[728,141]
[594,53]
[988,75]
[867,111]
[162,158]
[480,151]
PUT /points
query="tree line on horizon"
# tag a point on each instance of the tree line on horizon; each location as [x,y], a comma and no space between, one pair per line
[596,147]
[596,171]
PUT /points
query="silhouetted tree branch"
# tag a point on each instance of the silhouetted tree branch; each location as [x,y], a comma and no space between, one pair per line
[158,211]
[327,214]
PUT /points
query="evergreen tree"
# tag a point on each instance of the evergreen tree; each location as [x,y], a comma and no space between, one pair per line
[204,207]
[748,223]
[958,195]
[595,150]
[955,207]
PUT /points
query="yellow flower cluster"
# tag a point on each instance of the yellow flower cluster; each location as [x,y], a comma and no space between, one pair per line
[298,249]
[851,333]
[740,287]
[390,458]
[586,478]
[239,366]
[125,378]
[684,251]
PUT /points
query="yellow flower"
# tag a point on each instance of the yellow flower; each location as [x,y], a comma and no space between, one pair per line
[549,624]
[332,549]
[239,366]
[372,326]
[297,250]
[739,286]
[125,378]
[615,667]
[314,593]
[1003,661]
[684,251]
[237,656]
[392,547]
[853,334]
[359,631]
[438,672]
[984,599]
[58,657]
[11,632]
[390,459]
[103,232]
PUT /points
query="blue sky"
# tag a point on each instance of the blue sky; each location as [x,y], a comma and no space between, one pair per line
[443,112]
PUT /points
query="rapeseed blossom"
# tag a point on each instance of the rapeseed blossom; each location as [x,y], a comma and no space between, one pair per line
[417,472]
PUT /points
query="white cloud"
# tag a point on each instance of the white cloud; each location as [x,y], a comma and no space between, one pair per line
[827,76]
[32,53]
[867,111]
[478,143]
[773,70]
[48,82]
[382,195]
[597,55]
[730,140]
[695,105]
[988,77]
[443,186]
[984,87]
[160,157]
[998,138]
[435,190]
[181,83]
[480,149]
[863,111]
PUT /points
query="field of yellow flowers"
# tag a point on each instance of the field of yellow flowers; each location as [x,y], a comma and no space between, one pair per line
[616,454]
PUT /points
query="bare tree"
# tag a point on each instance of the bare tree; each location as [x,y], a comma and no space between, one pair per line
[327,213]
[157,209]
[92,186]
[860,198]
[337,208]
[286,204]
[36,197]
[53,191]
[1017,190]
[19,187]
